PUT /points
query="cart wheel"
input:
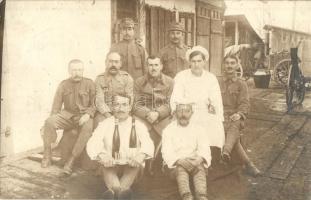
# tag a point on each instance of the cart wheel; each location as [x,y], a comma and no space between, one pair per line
[295,91]
[281,71]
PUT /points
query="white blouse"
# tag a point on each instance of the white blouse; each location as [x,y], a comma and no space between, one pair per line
[181,142]
[101,140]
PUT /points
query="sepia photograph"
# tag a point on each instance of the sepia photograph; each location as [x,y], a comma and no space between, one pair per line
[155,99]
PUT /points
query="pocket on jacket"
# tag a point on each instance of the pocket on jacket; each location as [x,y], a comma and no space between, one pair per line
[85,98]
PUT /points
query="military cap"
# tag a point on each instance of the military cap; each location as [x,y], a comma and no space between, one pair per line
[176,26]
[197,48]
[127,22]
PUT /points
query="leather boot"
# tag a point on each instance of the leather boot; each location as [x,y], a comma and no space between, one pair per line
[46,160]
[69,165]
[252,170]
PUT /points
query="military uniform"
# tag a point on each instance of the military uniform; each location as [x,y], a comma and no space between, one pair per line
[235,100]
[174,55]
[133,57]
[153,94]
[108,86]
[174,59]
[78,99]
[133,54]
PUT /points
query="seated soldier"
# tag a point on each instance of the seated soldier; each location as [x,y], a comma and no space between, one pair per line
[236,106]
[152,93]
[186,151]
[112,82]
[77,94]
[121,145]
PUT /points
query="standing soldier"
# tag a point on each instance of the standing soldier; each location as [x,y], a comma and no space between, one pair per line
[174,54]
[110,83]
[236,106]
[132,53]
[152,94]
[77,94]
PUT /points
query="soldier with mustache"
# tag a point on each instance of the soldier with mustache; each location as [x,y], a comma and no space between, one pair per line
[133,54]
[152,94]
[110,83]
[236,103]
[77,94]
[119,177]
[173,55]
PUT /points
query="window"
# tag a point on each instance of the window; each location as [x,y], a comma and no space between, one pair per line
[187,21]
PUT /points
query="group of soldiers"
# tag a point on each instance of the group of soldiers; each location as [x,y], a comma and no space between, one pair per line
[171,101]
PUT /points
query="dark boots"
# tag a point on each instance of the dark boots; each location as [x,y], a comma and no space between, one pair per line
[252,170]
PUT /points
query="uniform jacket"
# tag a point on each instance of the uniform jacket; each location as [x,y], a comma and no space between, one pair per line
[153,94]
[108,86]
[133,57]
[77,98]
[235,96]
[174,59]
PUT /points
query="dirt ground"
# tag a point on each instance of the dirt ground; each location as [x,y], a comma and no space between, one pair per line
[278,143]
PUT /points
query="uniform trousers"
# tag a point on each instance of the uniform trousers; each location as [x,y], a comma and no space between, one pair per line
[60,121]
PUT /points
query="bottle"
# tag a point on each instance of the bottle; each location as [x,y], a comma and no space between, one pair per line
[116,140]
[133,137]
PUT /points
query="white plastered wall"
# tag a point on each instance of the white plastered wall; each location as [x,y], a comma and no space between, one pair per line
[40,38]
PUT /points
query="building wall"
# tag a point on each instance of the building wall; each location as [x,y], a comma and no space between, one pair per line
[282,40]
[180,5]
[39,40]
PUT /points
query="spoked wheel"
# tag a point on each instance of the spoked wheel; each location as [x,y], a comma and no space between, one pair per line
[295,91]
[281,71]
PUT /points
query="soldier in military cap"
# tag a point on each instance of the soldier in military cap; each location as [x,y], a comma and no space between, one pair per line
[173,55]
[236,107]
[133,54]
[110,83]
